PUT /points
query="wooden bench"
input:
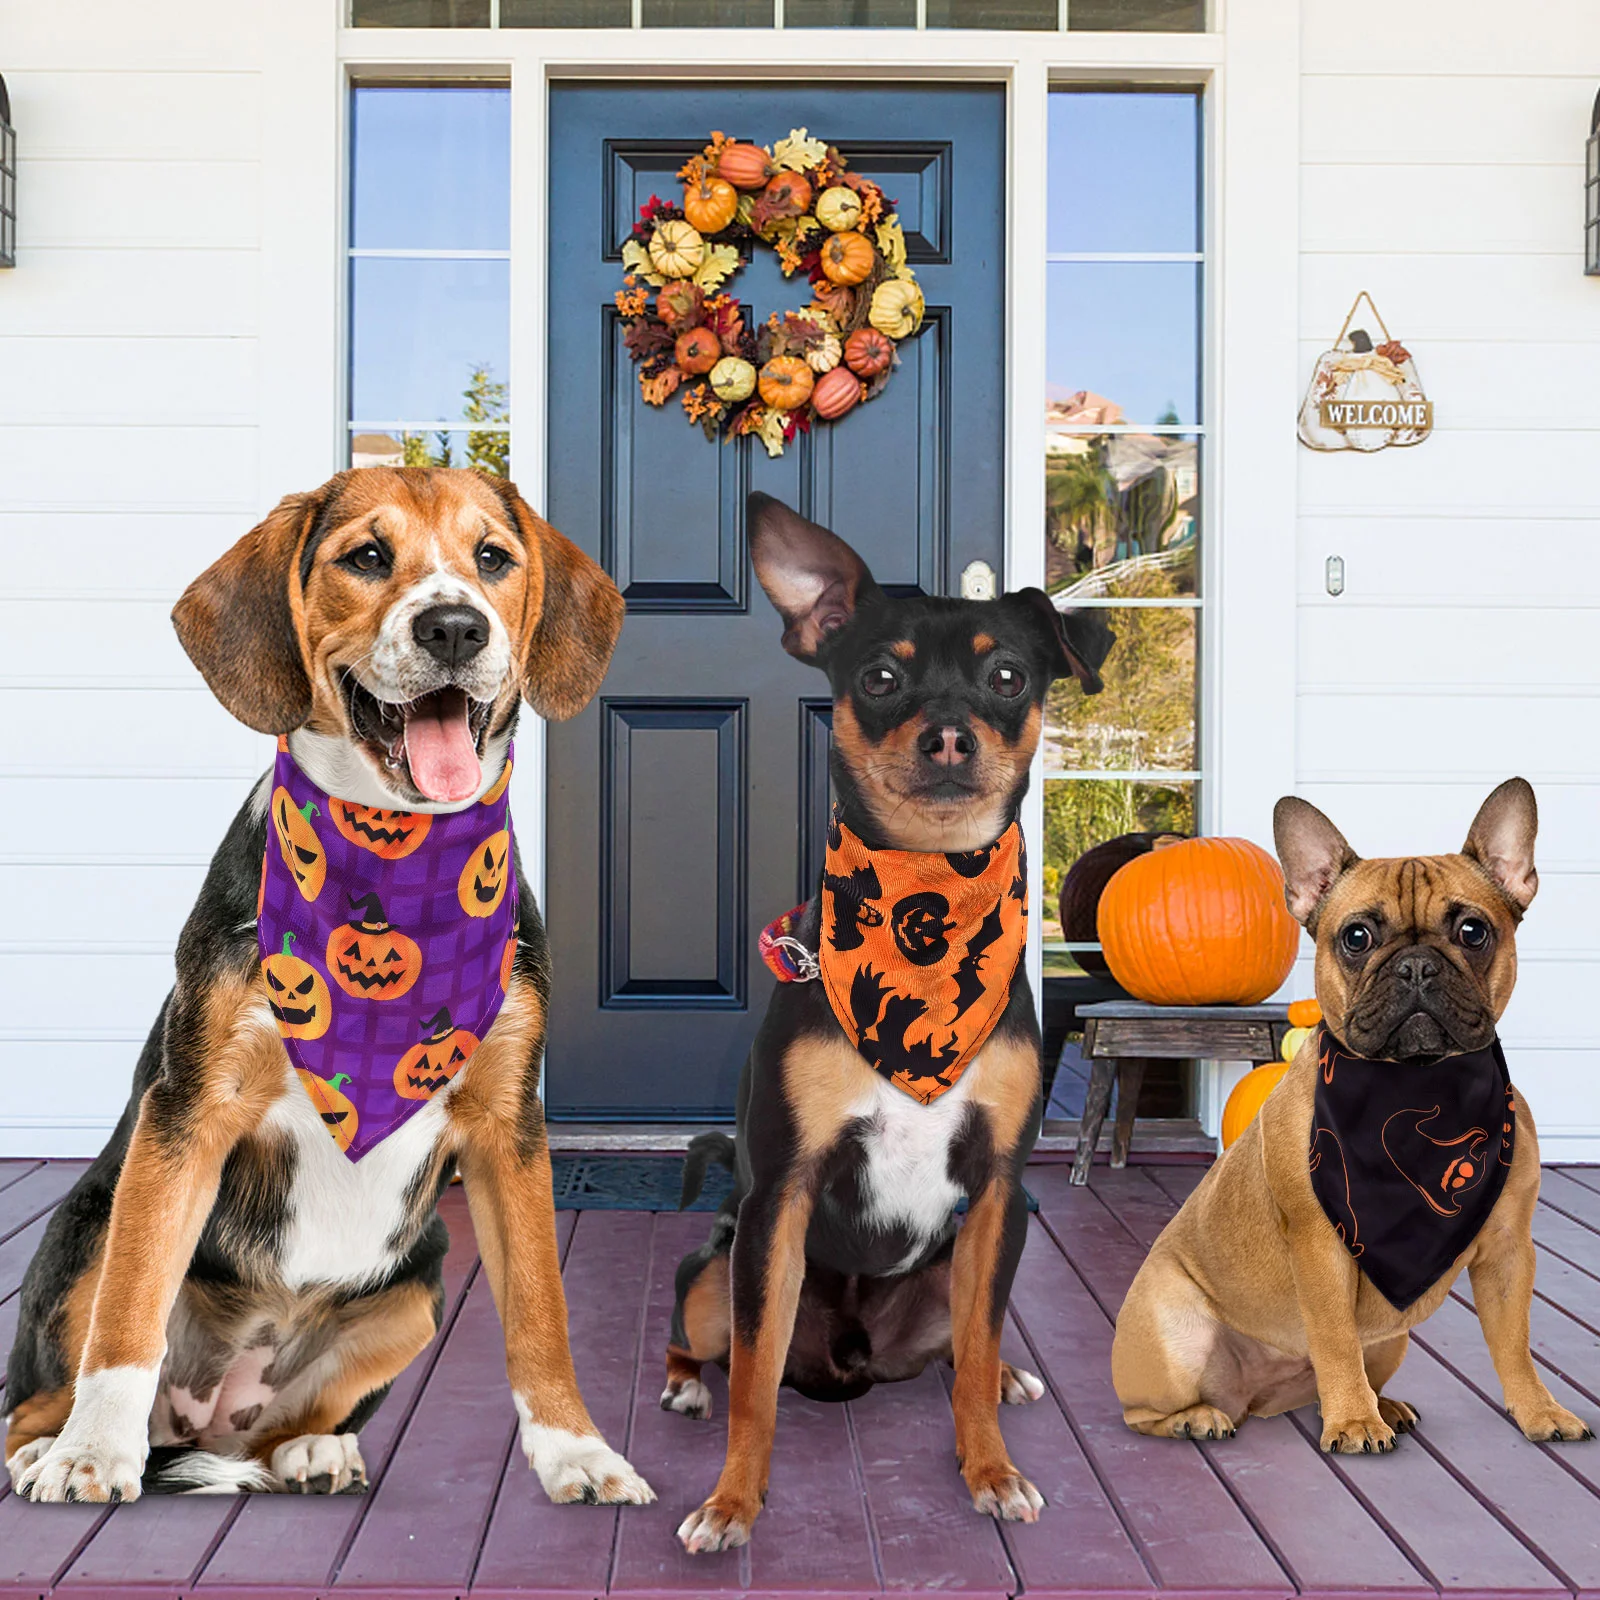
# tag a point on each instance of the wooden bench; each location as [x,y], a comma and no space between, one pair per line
[1120,1036]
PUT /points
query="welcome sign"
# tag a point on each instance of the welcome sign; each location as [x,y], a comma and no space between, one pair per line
[1365,395]
[1413,415]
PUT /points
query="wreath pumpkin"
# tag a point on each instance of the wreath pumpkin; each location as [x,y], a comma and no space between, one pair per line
[816,363]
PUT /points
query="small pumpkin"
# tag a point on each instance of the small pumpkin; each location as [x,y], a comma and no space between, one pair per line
[868,352]
[336,1108]
[788,194]
[710,203]
[1199,923]
[482,884]
[835,393]
[391,835]
[1249,1094]
[676,249]
[498,787]
[302,850]
[824,355]
[697,351]
[745,166]
[848,257]
[1304,1013]
[838,208]
[786,383]
[733,379]
[427,1067]
[297,997]
[897,308]
[1292,1041]
[369,959]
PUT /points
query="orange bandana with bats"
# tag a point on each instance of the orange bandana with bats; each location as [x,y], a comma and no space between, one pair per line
[918,951]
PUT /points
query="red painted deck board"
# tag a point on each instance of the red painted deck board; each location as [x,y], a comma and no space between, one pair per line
[866,1498]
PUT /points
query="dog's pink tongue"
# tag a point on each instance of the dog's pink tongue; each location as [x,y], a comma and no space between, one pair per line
[439,748]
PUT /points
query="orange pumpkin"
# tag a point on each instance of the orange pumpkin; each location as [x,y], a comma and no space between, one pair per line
[427,1067]
[389,834]
[1199,923]
[868,352]
[788,194]
[482,884]
[336,1109]
[710,203]
[697,351]
[1304,1013]
[302,850]
[745,166]
[297,997]
[847,257]
[835,392]
[786,383]
[369,959]
[1247,1097]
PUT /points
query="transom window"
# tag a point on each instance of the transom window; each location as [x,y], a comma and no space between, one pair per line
[1122,472]
[1078,16]
[430,276]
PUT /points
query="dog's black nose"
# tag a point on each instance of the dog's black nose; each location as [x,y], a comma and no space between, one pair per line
[948,746]
[1417,967]
[451,634]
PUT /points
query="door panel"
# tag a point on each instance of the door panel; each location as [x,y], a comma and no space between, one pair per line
[686,806]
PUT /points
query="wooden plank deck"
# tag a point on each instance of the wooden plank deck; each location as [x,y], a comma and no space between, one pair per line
[865,1498]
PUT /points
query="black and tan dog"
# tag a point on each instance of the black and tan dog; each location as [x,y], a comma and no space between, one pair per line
[223,1283]
[837,1263]
[1260,1295]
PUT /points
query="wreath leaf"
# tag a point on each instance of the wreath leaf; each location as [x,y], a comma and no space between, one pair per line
[721,261]
[797,152]
[637,260]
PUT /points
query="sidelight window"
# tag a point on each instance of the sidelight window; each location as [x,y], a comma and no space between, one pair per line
[1123,464]
[430,276]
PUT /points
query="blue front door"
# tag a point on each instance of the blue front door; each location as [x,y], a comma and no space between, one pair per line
[686,805]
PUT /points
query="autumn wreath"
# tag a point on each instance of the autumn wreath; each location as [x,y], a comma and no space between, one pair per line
[819,362]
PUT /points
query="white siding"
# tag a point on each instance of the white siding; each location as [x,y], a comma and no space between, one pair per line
[129,458]
[1441,169]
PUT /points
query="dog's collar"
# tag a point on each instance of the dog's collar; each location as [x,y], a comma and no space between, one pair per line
[1408,1161]
[916,951]
[387,941]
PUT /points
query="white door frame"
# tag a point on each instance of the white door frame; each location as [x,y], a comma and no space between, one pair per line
[1250,71]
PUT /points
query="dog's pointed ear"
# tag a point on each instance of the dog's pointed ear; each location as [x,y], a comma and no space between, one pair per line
[1081,638]
[1314,855]
[236,620]
[578,615]
[1501,839]
[811,575]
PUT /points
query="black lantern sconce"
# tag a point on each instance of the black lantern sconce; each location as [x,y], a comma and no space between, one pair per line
[1591,195]
[8,182]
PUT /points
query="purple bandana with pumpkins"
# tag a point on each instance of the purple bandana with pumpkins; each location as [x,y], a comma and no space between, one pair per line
[387,941]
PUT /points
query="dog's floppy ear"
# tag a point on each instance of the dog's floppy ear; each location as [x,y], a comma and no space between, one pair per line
[1501,838]
[1314,855]
[579,617]
[1081,638]
[236,620]
[811,575]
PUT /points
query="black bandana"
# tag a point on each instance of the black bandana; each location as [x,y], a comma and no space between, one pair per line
[1408,1161]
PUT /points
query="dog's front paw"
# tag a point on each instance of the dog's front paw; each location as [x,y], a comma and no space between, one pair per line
[1017,1387]
[91,1471]
[689,1397]
[720,1524]
[20,1459]
[1398,1414]
[1360,1436]
[582,1468]
[1003,1492]
[1548,1423]
[320,1463]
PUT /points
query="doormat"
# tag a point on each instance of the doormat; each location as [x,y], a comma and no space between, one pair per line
[643,1183]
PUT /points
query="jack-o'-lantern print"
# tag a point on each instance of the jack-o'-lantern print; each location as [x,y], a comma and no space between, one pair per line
[297,997]
[922,925]
[498,787]
[482,885]
[427,1067]
[389,835]
[302,850]
[508,964]
[336,1109]
[368,958]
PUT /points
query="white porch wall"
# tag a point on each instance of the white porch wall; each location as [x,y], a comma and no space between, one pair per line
[1441,169]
